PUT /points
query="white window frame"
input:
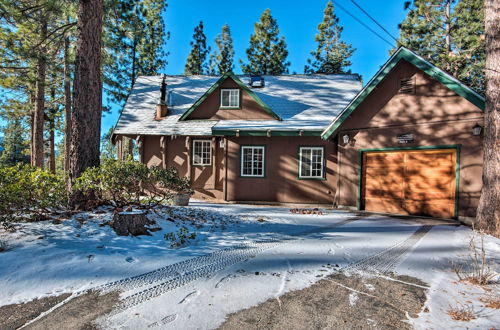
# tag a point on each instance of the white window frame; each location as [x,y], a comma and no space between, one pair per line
[230,106]
[322,174]
[242,164]
[203,161]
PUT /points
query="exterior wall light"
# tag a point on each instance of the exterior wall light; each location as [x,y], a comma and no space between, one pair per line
[476,130]
[345,138]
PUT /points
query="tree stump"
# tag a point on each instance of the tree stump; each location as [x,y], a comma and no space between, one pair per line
[131,223]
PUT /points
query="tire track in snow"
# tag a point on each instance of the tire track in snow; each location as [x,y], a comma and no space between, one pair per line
[170,277]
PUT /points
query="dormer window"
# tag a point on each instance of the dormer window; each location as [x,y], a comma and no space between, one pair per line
[230,98]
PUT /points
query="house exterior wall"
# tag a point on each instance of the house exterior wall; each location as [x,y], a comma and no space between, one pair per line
[249,108]
[434,115]
[280,184]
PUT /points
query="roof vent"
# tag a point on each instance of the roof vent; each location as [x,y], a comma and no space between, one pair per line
[406,86]
[256,81]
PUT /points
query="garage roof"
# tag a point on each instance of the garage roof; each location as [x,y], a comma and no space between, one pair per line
[405,54]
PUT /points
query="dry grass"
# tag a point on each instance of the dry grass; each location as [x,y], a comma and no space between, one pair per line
[462,313]
[477,270]
[491,302]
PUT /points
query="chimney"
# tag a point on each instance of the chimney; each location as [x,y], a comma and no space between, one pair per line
[161,107]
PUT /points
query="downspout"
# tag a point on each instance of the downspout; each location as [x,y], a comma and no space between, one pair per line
[337,190]
[226,146]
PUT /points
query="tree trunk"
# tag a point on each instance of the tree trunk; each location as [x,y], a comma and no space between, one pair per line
[52,129]
[67,104]
[87,91]
[41,67]
[488,213]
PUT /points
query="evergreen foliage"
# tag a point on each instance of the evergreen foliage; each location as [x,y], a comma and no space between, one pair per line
[450,35]
[196,60]
[14,145]
[134,39]
[267,52]
[221,60]
[332,54]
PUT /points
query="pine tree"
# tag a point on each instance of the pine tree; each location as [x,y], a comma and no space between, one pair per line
[15,144]
[87,93]
[267,52]
[451,37]
[134,39]
[468,38]
[221,60]
[332,55]
[196,60]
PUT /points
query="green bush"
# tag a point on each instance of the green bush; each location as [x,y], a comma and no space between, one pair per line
[130,182]
[180,238]
[30,192]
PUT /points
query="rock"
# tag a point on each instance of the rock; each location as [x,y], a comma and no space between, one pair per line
[131,223]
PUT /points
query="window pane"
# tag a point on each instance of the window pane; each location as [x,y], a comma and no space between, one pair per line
[202,152]
[311,162]
[252,161]
[225,99]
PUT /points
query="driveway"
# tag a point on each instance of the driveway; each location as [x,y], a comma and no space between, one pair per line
[288,272]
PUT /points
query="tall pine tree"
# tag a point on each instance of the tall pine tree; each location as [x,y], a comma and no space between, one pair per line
[221,60]
[449,35]
[196,60]
[332,55]
[134,39]
[267,52]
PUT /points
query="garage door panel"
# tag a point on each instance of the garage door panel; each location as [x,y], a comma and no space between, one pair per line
[385,205]
[429,171]
[440,209]
[381,193]
[410,182]
[432,159]
[383,158]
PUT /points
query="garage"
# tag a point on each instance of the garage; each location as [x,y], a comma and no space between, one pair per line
[413,182]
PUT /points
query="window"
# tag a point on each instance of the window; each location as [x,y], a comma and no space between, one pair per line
[311,162]
[230,98]
[252,161]
[202,152]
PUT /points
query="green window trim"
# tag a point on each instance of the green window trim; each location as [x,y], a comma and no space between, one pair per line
[456,147]
[405,54]
[264,161]
[242,85]
[299,163]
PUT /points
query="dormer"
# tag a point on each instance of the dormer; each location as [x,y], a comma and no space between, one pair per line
[230,99]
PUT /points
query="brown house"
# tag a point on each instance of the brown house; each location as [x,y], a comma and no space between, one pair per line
[403,144]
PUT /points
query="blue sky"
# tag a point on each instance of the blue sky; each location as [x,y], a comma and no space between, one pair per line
[297,20]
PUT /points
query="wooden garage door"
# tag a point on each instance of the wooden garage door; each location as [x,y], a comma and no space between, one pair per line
[410,182]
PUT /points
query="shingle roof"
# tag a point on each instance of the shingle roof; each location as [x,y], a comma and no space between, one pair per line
[307,102]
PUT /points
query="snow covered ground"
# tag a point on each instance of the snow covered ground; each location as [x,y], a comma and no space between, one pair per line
[242,255]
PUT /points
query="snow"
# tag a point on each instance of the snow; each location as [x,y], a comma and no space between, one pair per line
[234,262]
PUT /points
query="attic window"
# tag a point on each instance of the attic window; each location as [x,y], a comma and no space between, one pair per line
[230,98]
[406,86]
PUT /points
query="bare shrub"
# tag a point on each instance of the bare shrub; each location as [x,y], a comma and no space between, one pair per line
[491,302]
[477,270]
[462,313]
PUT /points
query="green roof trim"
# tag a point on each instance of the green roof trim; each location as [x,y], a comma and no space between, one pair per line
[232,132]
[241,84]
[405,54]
